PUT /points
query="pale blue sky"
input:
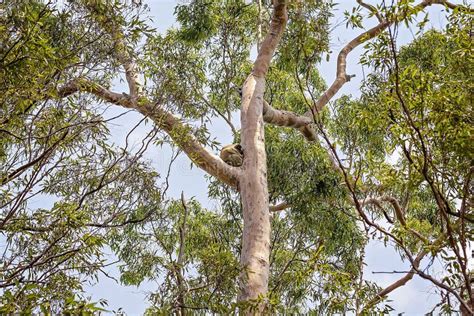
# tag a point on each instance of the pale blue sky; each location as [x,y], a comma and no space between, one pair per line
[413,299]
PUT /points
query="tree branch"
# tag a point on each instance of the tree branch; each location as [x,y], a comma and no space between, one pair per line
[279,207]
[372,9]
[269,44]
[399,283]
[180,260]
[399,214]
[341,75]
[289,119]
[85,85]
[179,131]
[123,56]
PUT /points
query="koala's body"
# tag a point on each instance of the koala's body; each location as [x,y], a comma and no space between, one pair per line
[232,155]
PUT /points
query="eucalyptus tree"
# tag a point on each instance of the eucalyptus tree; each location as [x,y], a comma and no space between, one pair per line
[416,109]
[294,218]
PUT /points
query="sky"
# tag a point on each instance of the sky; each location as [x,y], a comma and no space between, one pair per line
[415,298]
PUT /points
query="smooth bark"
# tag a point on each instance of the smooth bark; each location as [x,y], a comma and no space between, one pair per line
[254,194]
[180,132]
[255,255]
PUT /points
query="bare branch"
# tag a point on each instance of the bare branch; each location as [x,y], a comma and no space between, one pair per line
[269,44]
[182,134]
[341,75]
[179,131]
[289,119]
[85,85]
[399,283]
[279,207]
[399,214]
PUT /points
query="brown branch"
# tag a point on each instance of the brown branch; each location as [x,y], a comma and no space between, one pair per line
[463,303]
[44,156]
[399,214]
[182,231]
[180,260]
[451,5]
[399,283]
[349,181]
[34,262]
[427,160]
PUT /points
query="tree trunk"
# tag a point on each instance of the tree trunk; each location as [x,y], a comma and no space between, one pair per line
[255,255]
[254,195]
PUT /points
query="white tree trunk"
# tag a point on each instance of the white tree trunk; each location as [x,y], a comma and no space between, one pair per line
[254,194]
[255,255]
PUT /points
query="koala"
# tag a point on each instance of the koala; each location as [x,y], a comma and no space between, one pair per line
[232,155]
